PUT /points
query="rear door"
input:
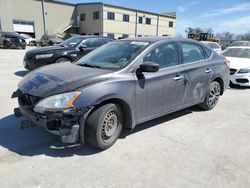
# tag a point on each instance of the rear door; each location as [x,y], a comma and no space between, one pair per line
[197,69]
[160,92]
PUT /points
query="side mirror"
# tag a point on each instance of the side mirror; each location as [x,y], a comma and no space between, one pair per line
[149,67]
[82,47]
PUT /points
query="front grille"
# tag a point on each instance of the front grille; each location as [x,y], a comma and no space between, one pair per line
[242,80]
[28,57]
[232,71]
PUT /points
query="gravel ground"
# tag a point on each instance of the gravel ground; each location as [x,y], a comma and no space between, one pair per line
[190,148]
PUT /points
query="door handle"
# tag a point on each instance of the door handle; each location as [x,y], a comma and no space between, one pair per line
[208,70]
[178,78]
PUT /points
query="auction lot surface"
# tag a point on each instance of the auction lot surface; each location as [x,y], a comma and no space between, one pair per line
[190,148]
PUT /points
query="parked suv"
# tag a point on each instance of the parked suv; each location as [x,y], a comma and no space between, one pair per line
[120,85]
[69,50]
[49,40]
[11,40]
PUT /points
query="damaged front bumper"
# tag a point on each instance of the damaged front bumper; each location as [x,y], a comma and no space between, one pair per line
[66,125]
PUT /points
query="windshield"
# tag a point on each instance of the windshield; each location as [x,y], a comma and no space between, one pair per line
[113,55]
[72,42]
[237,52]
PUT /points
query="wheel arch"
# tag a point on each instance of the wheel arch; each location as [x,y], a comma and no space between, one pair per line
[125,107]
[220,81]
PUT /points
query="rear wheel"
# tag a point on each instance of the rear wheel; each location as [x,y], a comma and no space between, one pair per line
[104,126]
[62,60]
[212,96]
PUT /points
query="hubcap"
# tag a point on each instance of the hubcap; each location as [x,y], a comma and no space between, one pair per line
[110,125]
[214,96]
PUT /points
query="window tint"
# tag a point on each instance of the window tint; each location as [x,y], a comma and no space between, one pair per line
[170,24]
[111,16]
[208,52]
[125,17]
[83,17]
[148,21]
[96,15]
[92,43]
[140,19]
[192,52]
[165,55]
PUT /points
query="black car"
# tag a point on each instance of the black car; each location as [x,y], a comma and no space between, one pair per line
[49,40]
[12,40]
[120,85]
[69,50]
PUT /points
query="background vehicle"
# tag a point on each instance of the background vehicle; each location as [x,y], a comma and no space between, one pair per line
[119,85]
[213,45]
[239,57]
[11,40]
[69,35]
[49,40]
[69,50]
[240,43]
[28,39]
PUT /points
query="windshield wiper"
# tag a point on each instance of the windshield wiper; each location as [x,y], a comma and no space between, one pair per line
[88,65]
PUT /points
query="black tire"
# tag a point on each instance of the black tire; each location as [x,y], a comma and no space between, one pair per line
[103,126]
[212,96]
[62,60]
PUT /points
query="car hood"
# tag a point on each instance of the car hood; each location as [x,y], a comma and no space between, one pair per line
[61,78]
[238,63]
[47,49]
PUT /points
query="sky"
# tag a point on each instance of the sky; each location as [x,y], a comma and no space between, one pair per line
[220,15]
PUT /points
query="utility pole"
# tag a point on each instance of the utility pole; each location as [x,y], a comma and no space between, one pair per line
[44,19]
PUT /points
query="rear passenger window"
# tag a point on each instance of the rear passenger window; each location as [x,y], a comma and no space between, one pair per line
[208,52]
[165,55]
[192,52]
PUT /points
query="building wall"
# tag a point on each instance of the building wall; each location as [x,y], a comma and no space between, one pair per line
[61,15]
[90,26]
[58,15]
[118,27]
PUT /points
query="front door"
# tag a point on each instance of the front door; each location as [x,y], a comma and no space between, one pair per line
[160,92]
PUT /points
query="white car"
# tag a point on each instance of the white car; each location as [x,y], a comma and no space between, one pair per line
[239,57]
[213,45]
[29,40]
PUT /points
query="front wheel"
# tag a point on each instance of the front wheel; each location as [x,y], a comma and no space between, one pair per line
[62,60]
[104,126]
[212,96]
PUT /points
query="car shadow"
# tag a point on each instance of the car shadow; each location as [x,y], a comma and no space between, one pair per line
[36,141]
[21,73]
[160,120]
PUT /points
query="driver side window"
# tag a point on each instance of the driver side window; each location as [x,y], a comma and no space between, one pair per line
[165,55]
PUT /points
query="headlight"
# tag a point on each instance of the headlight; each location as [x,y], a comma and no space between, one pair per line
[42,56]
[56,103]
[244,71]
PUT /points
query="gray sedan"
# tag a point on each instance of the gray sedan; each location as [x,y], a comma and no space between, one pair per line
[120,85]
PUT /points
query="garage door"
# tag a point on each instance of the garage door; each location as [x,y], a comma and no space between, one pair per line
[23,26]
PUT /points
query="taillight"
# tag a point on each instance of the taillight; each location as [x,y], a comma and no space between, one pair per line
[227,62]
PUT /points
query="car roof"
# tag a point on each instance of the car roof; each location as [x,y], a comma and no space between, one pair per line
[209,42]
[91,36]
[246,47]
[158,38]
